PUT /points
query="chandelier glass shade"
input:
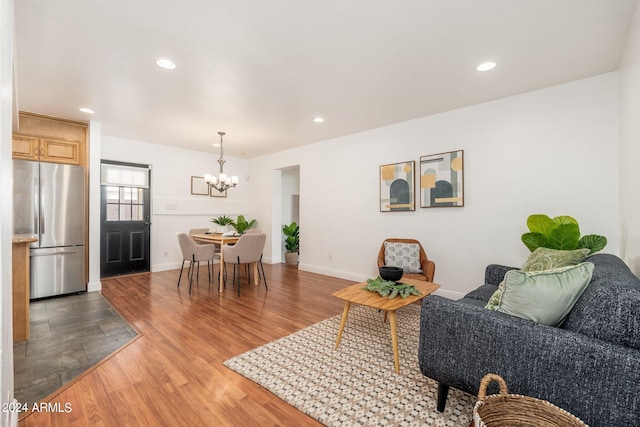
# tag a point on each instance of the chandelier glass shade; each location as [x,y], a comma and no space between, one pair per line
[222,182]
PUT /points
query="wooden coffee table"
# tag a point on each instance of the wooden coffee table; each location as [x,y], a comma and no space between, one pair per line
[355,294]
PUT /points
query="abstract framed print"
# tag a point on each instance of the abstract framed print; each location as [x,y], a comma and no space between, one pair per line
[397,187]
[442,180]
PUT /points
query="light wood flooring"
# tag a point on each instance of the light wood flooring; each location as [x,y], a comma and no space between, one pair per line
[173,374]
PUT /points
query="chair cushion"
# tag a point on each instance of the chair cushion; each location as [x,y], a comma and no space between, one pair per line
[546,259]
[403,255]
[546,297]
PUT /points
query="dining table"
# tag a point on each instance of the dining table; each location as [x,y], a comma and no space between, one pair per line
[220,240]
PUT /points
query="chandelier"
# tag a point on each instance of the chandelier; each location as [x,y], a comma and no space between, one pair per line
[222,182]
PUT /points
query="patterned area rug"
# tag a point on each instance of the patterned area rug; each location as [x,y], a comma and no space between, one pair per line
[355,385]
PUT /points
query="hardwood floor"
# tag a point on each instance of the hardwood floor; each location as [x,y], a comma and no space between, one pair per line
[173,375]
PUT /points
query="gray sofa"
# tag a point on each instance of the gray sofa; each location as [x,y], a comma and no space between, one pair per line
[589,366]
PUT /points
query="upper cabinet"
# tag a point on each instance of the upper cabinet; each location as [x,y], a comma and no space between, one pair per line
[48,139]
[46,149]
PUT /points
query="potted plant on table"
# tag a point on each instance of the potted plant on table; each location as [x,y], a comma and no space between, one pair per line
[241,225]
[223,222]
[291,242]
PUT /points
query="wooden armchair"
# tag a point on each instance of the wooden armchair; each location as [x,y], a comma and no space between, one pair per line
[428,267]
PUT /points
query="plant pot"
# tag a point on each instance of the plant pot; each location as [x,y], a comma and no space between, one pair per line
[291,258]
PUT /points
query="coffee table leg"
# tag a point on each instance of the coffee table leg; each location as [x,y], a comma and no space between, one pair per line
[345,313]
[394,339]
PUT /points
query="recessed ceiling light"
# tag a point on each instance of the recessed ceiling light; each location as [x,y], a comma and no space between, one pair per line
[87,110]
[486,66]
[318,120]
[166,63]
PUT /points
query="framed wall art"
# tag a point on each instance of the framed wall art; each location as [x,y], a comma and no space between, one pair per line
[442,180]
[215,193]
[199,186]
[397,187]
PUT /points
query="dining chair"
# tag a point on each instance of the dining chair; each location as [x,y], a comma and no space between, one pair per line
[248,249]
[194,253]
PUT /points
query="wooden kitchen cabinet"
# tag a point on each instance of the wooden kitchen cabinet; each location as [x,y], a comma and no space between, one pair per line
[46,149]
[49,139]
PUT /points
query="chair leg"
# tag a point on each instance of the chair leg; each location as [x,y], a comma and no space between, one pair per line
[263,275]
[190,275]
[239,281]
[180,276]
[443,392]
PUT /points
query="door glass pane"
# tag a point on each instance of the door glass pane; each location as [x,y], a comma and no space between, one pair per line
[125,212]
[112,212]
[136,213]
[113,194]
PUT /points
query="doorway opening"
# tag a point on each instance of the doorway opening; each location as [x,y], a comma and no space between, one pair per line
[125,218]
[290,199]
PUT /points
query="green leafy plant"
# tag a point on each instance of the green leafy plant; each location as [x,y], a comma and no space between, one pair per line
[292,237]
[222,220]
[241,225]
[561,232]
[392,289]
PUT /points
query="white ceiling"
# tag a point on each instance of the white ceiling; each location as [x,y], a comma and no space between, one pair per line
[262,70]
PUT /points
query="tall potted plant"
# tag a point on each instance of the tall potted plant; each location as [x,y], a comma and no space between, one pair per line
[291,242]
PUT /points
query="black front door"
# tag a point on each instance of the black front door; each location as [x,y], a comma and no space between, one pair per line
[125,227]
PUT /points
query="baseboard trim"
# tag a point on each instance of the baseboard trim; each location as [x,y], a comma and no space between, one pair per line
[340,274]
[94,286]
[165,267]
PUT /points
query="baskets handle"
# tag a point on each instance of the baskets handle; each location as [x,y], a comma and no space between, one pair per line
[486,380]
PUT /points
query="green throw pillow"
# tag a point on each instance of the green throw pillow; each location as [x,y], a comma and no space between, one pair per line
[546,259]
[546,297]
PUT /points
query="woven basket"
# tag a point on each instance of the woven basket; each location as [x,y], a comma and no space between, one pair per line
[504,409]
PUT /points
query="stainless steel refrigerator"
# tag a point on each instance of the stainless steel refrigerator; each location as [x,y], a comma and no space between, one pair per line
[49,201]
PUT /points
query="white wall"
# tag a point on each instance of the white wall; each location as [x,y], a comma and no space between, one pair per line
[552,151]
[6,215]
[174,209]
[630,147]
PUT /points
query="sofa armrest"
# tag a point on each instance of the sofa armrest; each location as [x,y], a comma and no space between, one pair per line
[591,378]
[494,273]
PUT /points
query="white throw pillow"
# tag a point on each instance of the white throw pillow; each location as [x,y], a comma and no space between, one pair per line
[403,255]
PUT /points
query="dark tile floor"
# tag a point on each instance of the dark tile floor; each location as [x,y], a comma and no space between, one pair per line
[68,335]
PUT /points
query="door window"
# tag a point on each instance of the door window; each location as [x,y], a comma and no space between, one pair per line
[124,203]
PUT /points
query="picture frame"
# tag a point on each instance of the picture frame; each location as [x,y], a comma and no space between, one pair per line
[199,186]
[397,187]
[442,180]
[215,193]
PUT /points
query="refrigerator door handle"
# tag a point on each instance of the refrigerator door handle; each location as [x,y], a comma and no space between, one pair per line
[41,207]
[36,204]
[58,252]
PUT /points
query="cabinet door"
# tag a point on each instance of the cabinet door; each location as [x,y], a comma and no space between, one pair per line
[26,147]
[59,151]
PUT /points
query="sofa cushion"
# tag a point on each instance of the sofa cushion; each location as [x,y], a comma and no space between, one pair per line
[403,255]
[547,259]
[613,315]
[545,297]
[483,293]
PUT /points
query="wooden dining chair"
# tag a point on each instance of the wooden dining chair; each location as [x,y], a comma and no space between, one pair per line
[247,250]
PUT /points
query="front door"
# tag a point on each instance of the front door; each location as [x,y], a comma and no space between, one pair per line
[125,230]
